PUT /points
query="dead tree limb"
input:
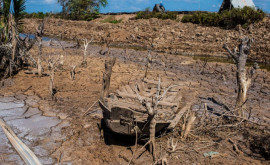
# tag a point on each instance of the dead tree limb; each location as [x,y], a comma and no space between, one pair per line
[85,43]
[240,55]
[107,77]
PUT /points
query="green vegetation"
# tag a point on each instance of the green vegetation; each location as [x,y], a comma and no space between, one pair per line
[147,14]
[14,7]
[112,20]
[227,19]
[10,9]
[81,9]
[41,15]
[74,9]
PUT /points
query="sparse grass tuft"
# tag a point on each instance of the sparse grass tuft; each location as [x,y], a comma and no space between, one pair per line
[112,20]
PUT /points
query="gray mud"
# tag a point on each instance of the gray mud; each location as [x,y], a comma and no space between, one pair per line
[40,133]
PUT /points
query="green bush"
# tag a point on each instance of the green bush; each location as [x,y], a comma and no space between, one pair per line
[227,19]
[148,14]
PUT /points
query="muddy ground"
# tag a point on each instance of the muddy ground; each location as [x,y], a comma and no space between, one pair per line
[169,36]
[83,142]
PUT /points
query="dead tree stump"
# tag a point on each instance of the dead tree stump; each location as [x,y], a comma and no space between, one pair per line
[52,66]
[107,77]
[239,56]
[148,65]
[73,72]
[39,34]
[85,43]
[51,86]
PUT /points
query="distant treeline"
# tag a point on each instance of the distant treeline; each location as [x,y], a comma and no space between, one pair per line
[227,19]
[41,15]
[89,17]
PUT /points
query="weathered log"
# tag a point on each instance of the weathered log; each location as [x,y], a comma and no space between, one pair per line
[178,117]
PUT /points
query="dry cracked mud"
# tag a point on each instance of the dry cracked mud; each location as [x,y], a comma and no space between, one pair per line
[64,135]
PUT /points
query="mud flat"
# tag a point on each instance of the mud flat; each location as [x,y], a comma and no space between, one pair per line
[83,141]
[42,134]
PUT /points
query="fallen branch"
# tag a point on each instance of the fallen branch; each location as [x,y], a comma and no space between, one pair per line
[90,108]
[189,124]
[26,154]
[235,147]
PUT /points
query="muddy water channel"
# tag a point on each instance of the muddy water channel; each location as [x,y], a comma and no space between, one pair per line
[41,133]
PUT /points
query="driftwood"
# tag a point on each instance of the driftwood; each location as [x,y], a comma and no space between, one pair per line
[190,122]
[179,115]
[107,77]
[26,154]
[240,56]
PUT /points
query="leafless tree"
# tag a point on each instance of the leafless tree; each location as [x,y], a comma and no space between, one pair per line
[152,111]
[85,43]
[240,55]
[107,77]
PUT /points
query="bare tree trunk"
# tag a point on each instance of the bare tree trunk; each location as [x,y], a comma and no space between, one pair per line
[39,66]
[13,29]
[152,140]
[107,77]
[85,43]
[152,111]
[243,79]
[52,66]
[73,72]
[39,35]
[51,86]
[149,61]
